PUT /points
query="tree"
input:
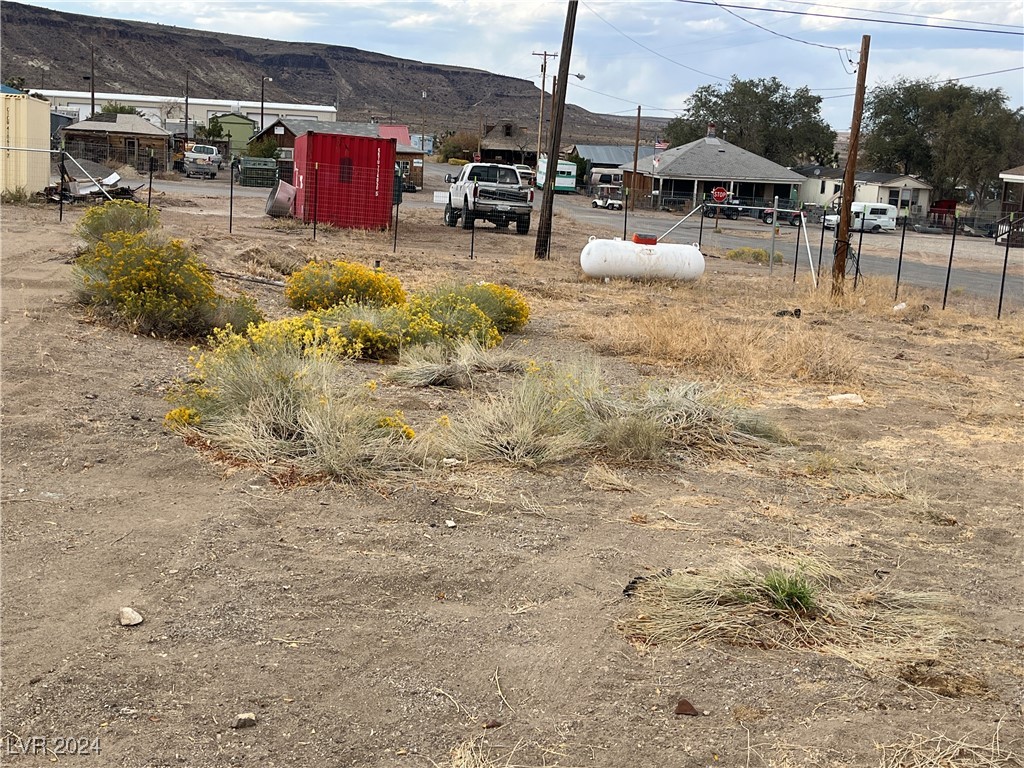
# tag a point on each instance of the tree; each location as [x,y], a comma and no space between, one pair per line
[15,82]
[955,136]
[116,108]
[212,131]
[265,147]
[460,145]
[762,116]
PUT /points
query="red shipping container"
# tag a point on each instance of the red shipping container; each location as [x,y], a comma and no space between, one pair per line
[346,180]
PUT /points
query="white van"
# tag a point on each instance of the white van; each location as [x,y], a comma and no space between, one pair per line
[871,217]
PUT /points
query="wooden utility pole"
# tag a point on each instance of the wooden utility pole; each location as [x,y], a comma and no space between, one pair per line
[543,87]
[541,249]
[849,187]
[186,106]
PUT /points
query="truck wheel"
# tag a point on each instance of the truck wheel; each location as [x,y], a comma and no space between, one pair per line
[502,223]
[523,224]
[451,218]
[467,215]
[794,220]
[876,229]
[768,218]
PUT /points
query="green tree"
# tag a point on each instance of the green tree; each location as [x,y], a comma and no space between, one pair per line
[212,131]
[955,136]
[116,108]
[265,147]
[15,82]
[460,145]
[762,116]
[582,168]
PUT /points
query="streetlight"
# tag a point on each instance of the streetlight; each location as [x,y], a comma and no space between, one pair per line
[263,84]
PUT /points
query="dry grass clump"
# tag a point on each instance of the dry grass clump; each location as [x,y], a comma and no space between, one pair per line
[439,365]
[782,606]
[555,414]
[601,477]
[773,348]
[751,256]
[279,407]
[940,751]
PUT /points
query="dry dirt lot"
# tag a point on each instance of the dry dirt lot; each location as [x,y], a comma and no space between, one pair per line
[363,630]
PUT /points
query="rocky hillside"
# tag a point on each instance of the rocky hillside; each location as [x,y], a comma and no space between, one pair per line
[50,49]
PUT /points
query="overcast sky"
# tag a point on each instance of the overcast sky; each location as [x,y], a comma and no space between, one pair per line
[634,52]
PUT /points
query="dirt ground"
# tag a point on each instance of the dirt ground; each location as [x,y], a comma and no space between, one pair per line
[363,630]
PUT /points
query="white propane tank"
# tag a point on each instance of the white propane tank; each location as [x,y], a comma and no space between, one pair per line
[621,258]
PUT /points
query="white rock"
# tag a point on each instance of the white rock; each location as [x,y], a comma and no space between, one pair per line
[450,523]
[244,720]
[130,617]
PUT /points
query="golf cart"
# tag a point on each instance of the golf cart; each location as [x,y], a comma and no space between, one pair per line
[609,197]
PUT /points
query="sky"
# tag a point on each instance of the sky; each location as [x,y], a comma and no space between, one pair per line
[638,53]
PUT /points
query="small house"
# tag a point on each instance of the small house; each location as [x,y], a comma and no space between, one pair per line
[238,130]
[119,139]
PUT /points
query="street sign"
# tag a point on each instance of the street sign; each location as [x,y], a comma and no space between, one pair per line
[719,194]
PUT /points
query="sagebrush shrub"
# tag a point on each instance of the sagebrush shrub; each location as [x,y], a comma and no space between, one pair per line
[448,318]
[320,285]
[505,306]
[116,216]
[151,284]
[147,283]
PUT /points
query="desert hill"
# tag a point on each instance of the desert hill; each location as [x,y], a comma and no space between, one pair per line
[51,49]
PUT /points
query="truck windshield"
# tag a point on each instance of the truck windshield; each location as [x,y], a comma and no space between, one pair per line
[494,174]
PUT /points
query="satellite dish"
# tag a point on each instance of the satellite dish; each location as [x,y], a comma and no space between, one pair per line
[817,171]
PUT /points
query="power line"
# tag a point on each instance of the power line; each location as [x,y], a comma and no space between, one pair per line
[906,15]
[656,53]
[773,32]
[852,18]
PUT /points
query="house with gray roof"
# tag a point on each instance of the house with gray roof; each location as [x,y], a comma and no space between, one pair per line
[114,138]
[684,174]
[823,185]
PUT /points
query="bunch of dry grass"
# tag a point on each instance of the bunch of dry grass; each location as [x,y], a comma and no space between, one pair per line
[554,414]
[752,351]
[438,365]
[280,408]
[601,477]
[940,751]
[782,606]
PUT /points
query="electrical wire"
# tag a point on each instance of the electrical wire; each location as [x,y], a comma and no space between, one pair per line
[907,15]
[854,18]
[656,53]
[773,32]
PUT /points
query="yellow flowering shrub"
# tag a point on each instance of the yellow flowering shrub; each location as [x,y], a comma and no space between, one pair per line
[448,318]
[116,216]
[181,418]
[505,306]
[148,283]
[320,285]
[397,424]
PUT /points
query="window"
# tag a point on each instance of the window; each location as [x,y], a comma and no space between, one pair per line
[822,190]
[345,170]
[508,129]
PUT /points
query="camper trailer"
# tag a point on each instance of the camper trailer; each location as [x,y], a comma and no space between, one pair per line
[565,180]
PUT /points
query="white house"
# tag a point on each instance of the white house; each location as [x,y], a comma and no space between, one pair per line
[824,185]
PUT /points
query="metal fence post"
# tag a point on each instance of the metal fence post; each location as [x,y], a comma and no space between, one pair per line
[316,196]
[1006,262]
[899,261]
[949,269]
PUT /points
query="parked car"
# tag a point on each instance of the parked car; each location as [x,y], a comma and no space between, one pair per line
[870,217]
[205,152]
[527,174]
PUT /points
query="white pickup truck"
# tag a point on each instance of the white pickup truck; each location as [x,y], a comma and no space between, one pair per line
[490,192]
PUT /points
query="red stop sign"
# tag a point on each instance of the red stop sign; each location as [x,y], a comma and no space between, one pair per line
[719,194]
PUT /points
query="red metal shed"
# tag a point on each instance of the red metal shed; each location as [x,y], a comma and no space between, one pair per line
[348,180]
